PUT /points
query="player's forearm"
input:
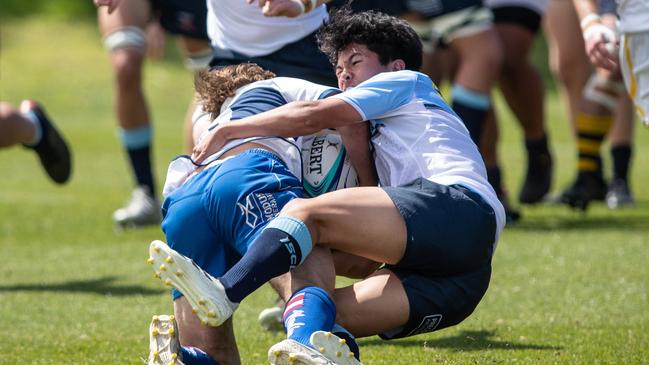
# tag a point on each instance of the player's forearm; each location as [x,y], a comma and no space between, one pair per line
[292,120]
[356,139]
[585,8]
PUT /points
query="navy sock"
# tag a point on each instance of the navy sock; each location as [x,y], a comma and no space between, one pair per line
[141,164]
[621,155]
[472,108]
[495,179]
[341,332]
[195,356]
[137,143]
[283,244]
[310,309]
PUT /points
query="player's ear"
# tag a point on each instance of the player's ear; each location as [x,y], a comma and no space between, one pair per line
[398,65]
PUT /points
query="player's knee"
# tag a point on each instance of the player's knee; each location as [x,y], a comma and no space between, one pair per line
[128,69]
[129,37]
[303,209]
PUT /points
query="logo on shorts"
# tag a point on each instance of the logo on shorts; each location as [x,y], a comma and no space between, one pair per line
[248,211]
[428,324]
[259,205]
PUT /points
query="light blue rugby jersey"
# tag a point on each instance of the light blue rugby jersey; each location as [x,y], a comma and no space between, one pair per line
[415,133]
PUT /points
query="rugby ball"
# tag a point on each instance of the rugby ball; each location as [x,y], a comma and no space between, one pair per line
[325,166]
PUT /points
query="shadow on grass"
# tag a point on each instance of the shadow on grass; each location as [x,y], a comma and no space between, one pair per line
[464,341]
[103,286]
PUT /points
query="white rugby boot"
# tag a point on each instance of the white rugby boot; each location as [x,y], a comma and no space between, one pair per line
[290,352]
[333,347]
[271,318]
[163,341]
[141,210]
[205,294]
[326,349]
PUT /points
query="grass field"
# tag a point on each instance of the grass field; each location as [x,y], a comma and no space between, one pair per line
[567,288]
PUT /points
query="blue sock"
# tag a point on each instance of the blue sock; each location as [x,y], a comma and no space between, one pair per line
[310,309]
[137,143]
[283,244]
[341,332]
[472,108]
[195,356]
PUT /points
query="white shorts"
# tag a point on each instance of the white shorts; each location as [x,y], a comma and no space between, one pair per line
[634,61]
[445,28]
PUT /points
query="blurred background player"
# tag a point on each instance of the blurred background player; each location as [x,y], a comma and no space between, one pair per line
[461,42]
[122,25]
[596,101]
[31,127]
[517,23]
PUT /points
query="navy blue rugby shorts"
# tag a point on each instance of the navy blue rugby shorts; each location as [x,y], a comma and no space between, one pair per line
[446,267]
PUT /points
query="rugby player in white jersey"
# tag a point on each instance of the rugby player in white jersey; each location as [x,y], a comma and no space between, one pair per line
[434,221]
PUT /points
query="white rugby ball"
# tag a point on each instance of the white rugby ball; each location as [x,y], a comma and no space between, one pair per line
[325,166]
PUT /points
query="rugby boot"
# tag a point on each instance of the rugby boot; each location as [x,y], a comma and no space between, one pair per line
[271,318]
[325,349]
[619,194]
[52,150]
[141,210]
[204,293]
[587,188]
[164,346]
[538,178]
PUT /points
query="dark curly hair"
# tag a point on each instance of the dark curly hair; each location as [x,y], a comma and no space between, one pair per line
[389,37]
[215,85]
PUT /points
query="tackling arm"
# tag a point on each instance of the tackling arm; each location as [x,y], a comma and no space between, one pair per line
[297,118]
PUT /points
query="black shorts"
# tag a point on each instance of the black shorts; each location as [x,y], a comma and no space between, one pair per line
[447,264]
[183,17]
[301,59]
[436,8]
[519,15]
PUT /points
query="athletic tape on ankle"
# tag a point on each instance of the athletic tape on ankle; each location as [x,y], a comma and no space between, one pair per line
[135,138]
[297,229]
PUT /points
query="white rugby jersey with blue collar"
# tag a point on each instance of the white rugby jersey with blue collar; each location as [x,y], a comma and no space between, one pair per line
[415,133]
[249,100]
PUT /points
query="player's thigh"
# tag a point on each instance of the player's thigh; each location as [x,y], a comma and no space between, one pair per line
[480,56]
[564,36]
[379,296]
[131,13]
[516,42]
[362,221]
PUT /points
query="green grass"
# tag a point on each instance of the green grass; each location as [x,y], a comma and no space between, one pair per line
[567,288]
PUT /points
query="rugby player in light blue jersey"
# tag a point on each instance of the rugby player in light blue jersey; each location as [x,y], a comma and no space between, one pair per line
[213,212]
[434,221]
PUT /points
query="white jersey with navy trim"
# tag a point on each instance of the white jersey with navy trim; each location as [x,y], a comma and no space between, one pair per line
[416,134]
[238,26]
[269,94]
[252,99]
[634,15]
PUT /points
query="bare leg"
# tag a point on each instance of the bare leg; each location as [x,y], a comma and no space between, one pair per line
[188,47]
[567,57]
[14,127]
[130,104]
[218,342]
[361,221]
